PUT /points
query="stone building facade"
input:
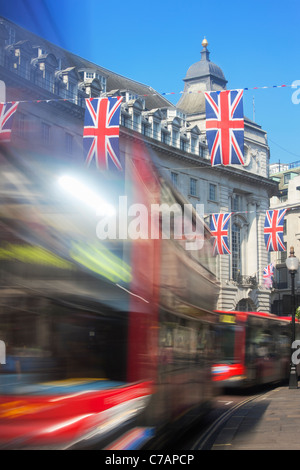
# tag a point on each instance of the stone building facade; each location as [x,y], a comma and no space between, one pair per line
[33,69]
[288,178]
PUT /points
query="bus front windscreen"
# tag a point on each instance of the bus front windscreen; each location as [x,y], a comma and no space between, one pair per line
[226,341]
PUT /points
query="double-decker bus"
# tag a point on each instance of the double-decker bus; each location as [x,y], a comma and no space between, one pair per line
[108,342]
[253,348]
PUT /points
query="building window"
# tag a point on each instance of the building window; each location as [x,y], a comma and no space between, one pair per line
[71,91]
[155,130]
[212,192]
[175,138]
[193,187]
[103,83]
[287,177]
[24,69]
[49,81]
[69,143]
[146,129]
[164,137]
[246,305]
[38,78]
[129,96]
[136,121]
[124,121]
[236,203]
[56,87]
[236,251]
[281,278]
[282,255]
[183,145]
[45,134]
[174,178]
[21,125]
[193,144]
[11,36]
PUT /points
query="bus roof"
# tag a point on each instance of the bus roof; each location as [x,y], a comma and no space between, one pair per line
[244,315]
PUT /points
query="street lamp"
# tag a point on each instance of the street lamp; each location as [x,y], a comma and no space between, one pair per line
[292,264]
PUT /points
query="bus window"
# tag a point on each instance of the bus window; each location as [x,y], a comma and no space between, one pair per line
[60,340]
[226,343]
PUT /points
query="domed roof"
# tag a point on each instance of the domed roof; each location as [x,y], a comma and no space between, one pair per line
[204,66]
[201,76]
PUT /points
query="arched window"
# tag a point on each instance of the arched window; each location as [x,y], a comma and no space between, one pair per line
[245,305]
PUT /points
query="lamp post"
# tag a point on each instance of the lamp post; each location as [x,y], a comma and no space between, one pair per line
[292,264]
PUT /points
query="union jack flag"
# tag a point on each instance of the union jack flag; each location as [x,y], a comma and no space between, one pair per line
[273,230]
[268,275]
[225,126]
[101,132]
[219,229]
[7,111]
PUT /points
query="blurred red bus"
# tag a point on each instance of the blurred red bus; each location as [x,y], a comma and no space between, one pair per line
[253,348]
[109,343]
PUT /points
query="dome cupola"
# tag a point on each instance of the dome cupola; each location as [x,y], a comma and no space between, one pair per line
[205,67]
[204,75]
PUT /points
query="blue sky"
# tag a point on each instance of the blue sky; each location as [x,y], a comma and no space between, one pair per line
[255,43]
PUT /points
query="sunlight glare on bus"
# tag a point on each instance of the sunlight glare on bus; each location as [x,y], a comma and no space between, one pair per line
[84,194]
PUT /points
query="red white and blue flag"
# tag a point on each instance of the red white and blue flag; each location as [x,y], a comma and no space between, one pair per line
[101,132]
[225,126]
[268,275]
[273,230]
[219,224]
[7,111]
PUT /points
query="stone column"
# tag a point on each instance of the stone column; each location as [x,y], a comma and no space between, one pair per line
[252,260]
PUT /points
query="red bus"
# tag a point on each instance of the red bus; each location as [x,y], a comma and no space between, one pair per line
[109,343]
[253,348]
